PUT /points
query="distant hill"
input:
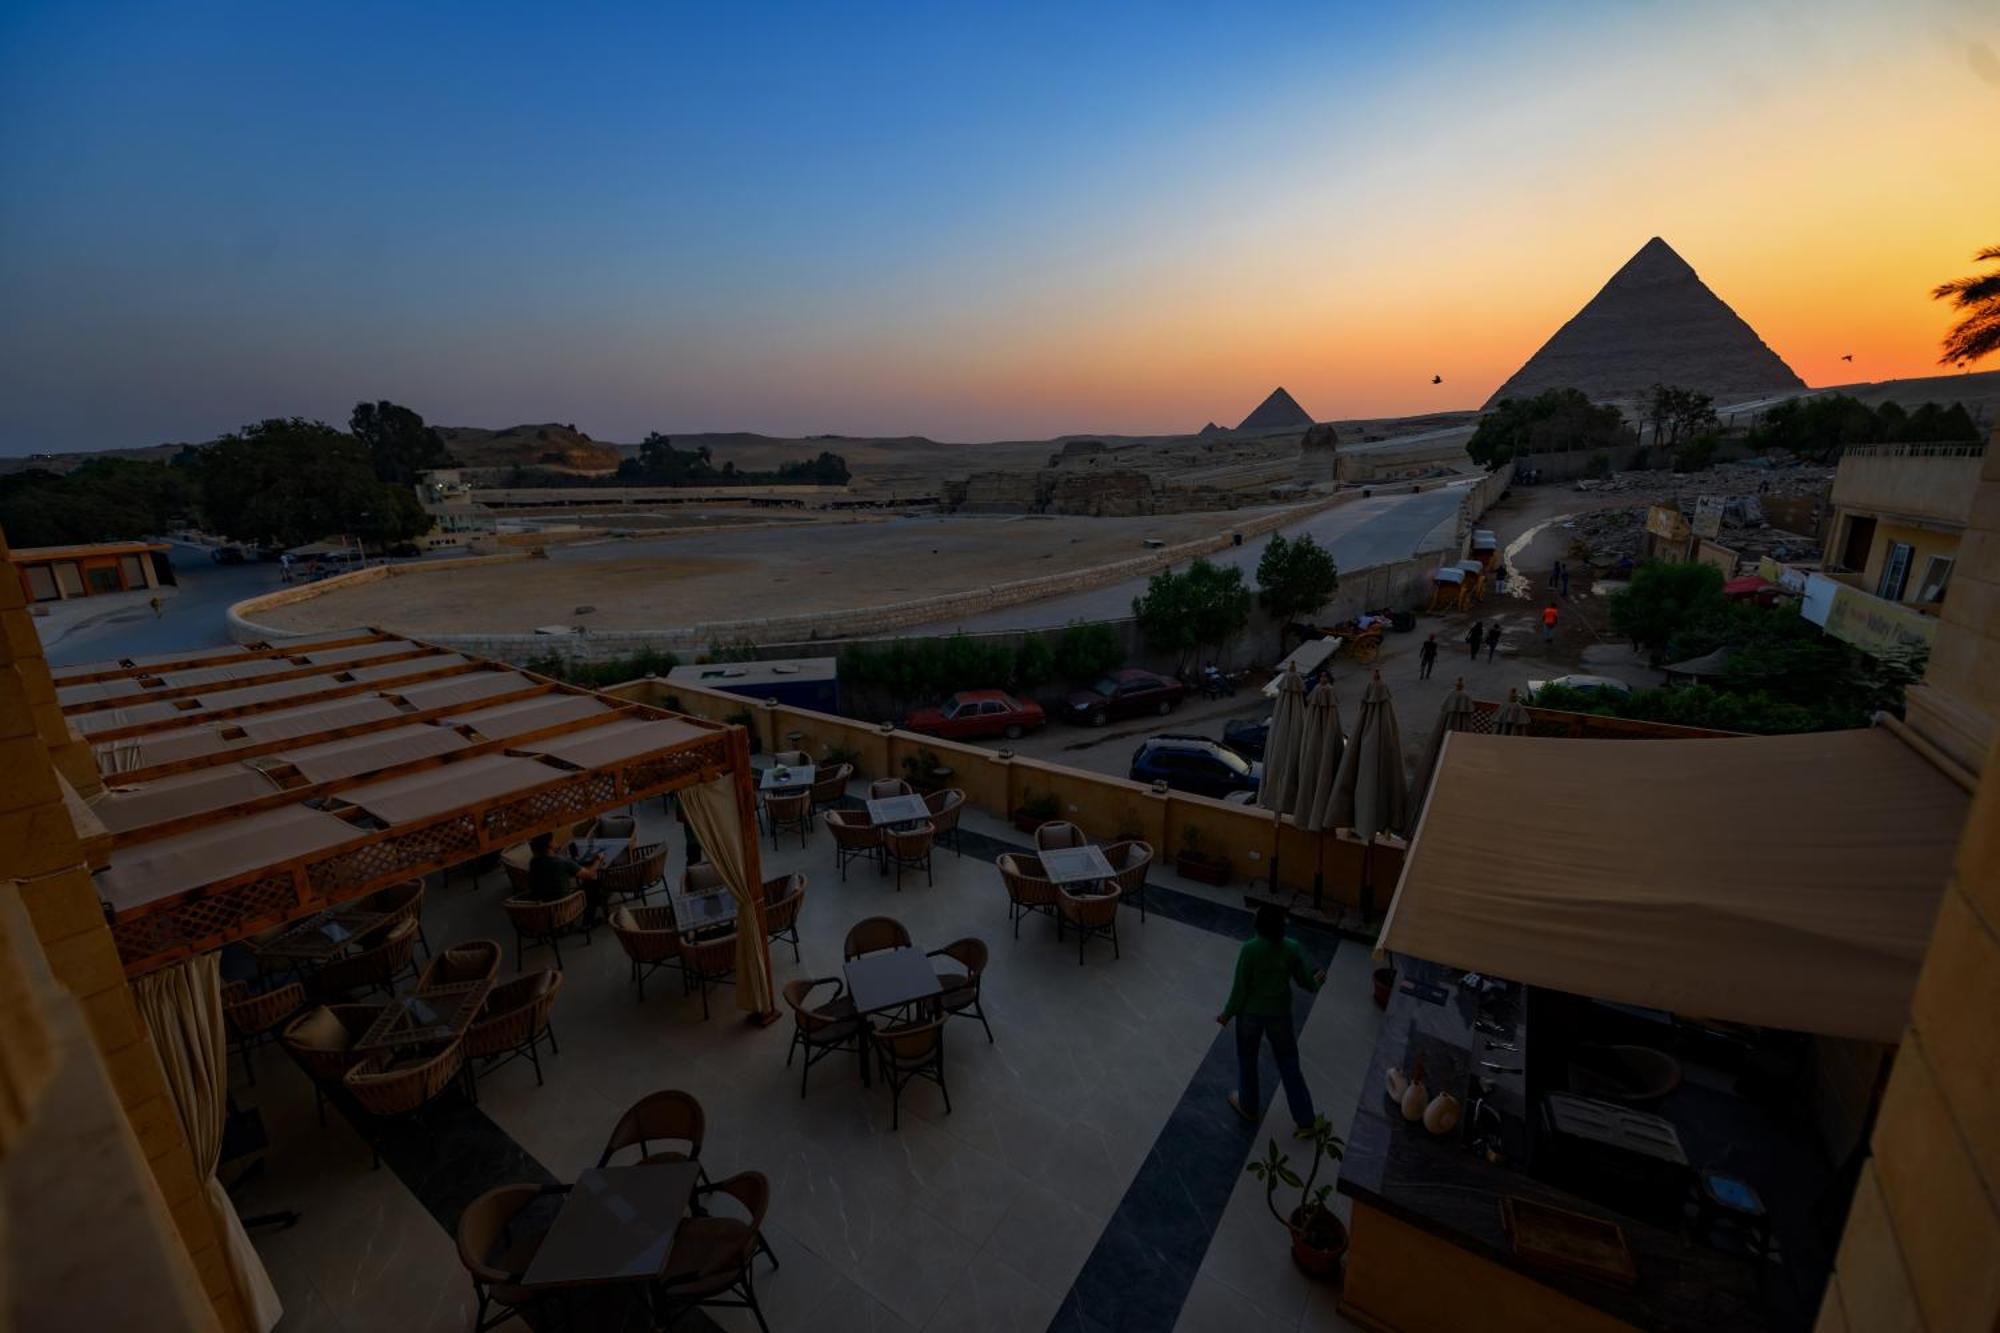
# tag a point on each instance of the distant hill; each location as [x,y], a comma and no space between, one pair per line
[548,444]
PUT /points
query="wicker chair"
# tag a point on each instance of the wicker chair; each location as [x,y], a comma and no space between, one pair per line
[908,847]
[635,877]
[961,989]
[321,1042]
[546,922]
[381,958]
[1092,914]
[514,1021]
[254,1019]
[873,934]
[474,960]
[853,837]
[1027,889]
[1130,861]
[823,1028]
[517,871]
[707,962]
[945,807]
[1057,834]
[830,786]
[709,1264]
[668,1114]
[789,811]
[606,826]
[882,787]
[783,897]
[650,940]
[791,759]
[909,1052]
[388,1087]
[400,902]
[495,1249]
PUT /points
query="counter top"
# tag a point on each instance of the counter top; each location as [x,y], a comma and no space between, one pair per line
[1440,1184]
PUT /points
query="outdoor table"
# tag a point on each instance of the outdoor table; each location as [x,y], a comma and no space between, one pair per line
[614,849]
[1075,865]
[891,979]
[699,913]
[887,810]
[617,1224]
[322,937]
[796,776]
[438,1014]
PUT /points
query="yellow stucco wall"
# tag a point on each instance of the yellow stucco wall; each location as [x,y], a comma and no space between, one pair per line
[1927,541]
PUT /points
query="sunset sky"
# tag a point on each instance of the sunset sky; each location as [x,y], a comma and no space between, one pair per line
[970,222]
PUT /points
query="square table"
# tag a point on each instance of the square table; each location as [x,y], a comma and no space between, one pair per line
[888,810]
[796,776]
[700,912]
[617,1224]
[614,849]
[891,979]
[438,1014]
[1075,865]
[322,937]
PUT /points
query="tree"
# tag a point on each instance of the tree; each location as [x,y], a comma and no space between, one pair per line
[1662,600]
[399,444]
[287,481]
[1087,651]
[1554,421]
[1295,578]
[105,499]
[1820,427]
[1204,605]
[1679,414]
[1977,333]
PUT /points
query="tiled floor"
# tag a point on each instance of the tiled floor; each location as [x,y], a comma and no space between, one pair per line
[980,1219]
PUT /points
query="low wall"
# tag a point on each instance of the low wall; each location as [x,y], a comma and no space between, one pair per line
[243,628]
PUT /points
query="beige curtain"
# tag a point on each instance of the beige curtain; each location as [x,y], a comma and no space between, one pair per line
[182,1006]
[711,807]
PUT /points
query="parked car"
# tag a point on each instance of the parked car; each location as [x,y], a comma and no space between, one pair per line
[1194,764]
[1126,693]
[1247,736]
[972,715]
[1585,684]
[227,555]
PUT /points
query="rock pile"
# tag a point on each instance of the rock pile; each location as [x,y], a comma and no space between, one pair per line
[1610,535]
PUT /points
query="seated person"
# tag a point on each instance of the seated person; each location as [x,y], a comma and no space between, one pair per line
[551,877]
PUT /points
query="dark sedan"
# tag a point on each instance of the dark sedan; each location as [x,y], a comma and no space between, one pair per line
[1127,693]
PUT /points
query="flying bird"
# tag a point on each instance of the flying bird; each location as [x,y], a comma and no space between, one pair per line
[1848,357]
[1437,379]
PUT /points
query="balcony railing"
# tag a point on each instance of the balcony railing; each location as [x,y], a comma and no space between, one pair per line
[1956,449]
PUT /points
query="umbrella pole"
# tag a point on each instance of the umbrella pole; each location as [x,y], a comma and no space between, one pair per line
[1319,873]
[1277,828]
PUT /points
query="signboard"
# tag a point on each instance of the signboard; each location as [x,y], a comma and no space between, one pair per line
[1865,620]
[1791,580]
[1708,516]
[1667,522]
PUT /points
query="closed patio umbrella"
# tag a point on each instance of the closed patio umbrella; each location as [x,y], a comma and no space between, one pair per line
[1319,760]
[1512,719]
[1281,745]
[1370,791]
[1457,714]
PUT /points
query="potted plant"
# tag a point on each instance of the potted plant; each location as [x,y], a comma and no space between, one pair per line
[1319,1238]
[746,720]
[1035,811]
[838,754]
[1197,864]
[924,771]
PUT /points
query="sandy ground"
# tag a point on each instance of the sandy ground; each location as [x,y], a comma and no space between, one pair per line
[733,576]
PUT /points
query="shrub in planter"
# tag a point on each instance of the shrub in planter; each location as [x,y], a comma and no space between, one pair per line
[1196,863]
[1035,811]
[838,754]
[924,771]
[1319,1238]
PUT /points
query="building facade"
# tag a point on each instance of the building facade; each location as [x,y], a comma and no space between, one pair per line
[58,573]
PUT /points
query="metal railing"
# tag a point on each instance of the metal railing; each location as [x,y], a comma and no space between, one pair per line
[1954,449]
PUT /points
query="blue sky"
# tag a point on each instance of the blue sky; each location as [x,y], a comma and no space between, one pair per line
[966,221]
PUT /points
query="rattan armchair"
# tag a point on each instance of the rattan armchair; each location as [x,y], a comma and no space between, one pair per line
[1027,890]
[635,877]
[791,759]
[401,902]
[670,1115]
[650,940]
[254,1018]
[789,812]
[496,1245]
[830,785]
[909,1052]
[474,960]
[321,1042]
[853,837]
[514,1021]
[1131,860]
[382,956]
[1092,914]
[709,1264]
[826,1027]
[945,807]
[883,787]
[908,847]
[873,934]
[783,897]
[708,962]
[1058,833]
[961,987]
[547,921]
[386,1086]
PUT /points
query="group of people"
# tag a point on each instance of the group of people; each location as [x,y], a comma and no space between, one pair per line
[1484,633]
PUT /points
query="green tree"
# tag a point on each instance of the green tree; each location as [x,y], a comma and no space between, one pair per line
[1678,415]
[1205,605]
[1977,298]
[399,444]
[1295,578]
[1034,662]
[1662,600]
[1087,651]
[288,481]
[1554,421]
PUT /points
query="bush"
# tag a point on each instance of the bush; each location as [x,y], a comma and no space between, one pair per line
[1557,421]
[1205,605]
[611,671]
[1085,652]
[1663,599]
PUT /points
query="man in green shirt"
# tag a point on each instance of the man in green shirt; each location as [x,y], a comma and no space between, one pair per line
[1260,1000]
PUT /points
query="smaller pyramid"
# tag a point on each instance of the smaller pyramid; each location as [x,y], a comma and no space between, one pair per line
[1210,429]
[1278,412]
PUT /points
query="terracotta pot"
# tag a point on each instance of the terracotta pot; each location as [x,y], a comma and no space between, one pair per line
[1316,1261]
[1201,869]
[1385,980]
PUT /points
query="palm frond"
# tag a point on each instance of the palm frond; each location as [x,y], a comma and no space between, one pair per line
[1990,252]
[1975,290]
[1972,339]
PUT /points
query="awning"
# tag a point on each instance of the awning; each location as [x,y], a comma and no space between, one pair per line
[525,715]
[1787,881]
[418,796]
[333,760]
[613,742]
[149,871]
[467,687]
[182,794]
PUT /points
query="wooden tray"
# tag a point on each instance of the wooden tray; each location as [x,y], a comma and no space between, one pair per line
[1571,1242]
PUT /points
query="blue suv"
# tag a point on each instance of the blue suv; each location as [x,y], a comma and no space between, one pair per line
[1194,764]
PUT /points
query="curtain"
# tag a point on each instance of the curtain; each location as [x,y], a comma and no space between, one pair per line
[182,1006]
[710,807]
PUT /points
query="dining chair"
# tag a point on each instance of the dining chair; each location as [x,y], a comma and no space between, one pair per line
[650,940]
[495,1246]
[708,1265]
[854,837]
[1130,860]
[908,847]
[906,1053]
[825,1027]
[1093,915]
[1028,889]
[1057,834]
[669,1115]
[513,1022]
[961,985]
[874,934]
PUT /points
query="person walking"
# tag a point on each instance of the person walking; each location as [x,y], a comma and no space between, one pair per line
[1492,639]
[1549,615]
[1565,580]
[1473,637]
[1268,965]
[1556,576]
[1427,657]
[154,602]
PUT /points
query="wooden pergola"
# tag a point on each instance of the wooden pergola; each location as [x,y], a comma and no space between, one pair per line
[251,785]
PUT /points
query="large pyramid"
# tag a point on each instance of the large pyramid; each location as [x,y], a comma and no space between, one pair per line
[1278,412]
[1655,322]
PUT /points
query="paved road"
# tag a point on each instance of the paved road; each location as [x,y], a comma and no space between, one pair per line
[191,616]
[1377,530]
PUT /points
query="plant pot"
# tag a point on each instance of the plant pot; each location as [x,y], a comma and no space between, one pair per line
[1321,1262]
[1201,869]
[1385,980]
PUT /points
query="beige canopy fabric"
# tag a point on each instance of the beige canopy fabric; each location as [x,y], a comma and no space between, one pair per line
[1370,793]
[711,807]
[1319,759]
[468,687]
[614,742]
[418,796]
[148,871]
[311,719]
[215,675]
[359,652]
[408,666]
[1787,881]
[332,760]
[244,695]
[525,715]
[1282,743]
[90,692]
[182,1006]
[162,799]
[110,719]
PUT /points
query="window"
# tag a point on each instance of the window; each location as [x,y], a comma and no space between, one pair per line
[1937,576]
[1895,571]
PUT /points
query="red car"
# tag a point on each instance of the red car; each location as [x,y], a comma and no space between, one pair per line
[972,714]
[1126,693]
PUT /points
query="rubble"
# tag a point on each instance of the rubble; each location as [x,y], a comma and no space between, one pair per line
[1605,537]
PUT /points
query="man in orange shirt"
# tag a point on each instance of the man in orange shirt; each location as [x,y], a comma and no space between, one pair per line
[1549,623]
